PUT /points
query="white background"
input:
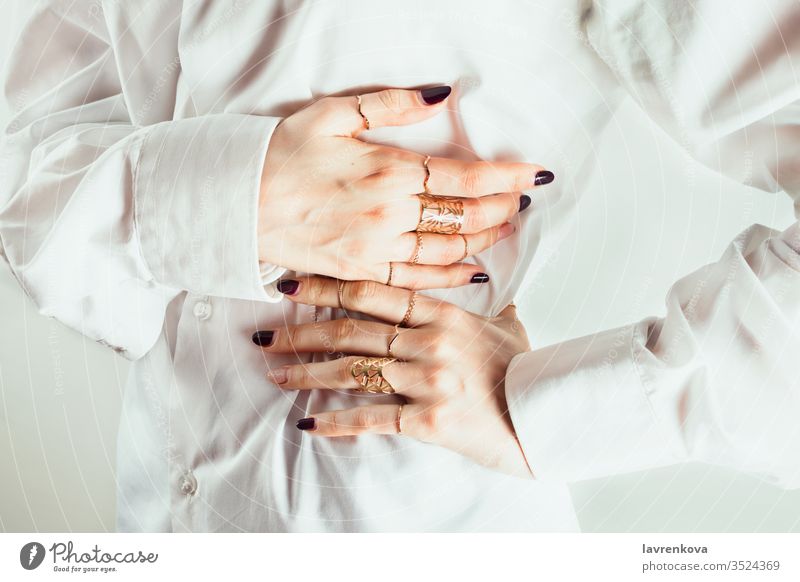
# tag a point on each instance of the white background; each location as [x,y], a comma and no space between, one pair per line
[650,219]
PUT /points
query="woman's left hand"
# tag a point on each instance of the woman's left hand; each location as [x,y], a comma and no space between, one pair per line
[450,367]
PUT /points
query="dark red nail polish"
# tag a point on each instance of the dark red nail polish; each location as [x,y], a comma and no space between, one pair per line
[288,286]
[479,278]
[434,95]
[263,338]
[307,423]
[543,177]
[524,202]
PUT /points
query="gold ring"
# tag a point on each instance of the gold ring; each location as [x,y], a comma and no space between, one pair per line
[339,292]
[369,373]
[440,214]
[466,247]
[389,353]
[417,249]
[409,310]
[427,175]
[391,272]
[361,113]
[399,414]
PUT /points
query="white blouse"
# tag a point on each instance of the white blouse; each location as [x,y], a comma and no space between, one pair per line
[128,212]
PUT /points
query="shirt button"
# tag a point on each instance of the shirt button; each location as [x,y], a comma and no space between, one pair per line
[202,310]
[188,483]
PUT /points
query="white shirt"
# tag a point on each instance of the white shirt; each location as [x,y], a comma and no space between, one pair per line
[128,212]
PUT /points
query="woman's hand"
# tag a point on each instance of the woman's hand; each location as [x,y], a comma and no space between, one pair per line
[338,206]
[451,367]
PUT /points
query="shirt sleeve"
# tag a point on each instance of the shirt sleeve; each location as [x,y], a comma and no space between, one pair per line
[716,379]
[104,221]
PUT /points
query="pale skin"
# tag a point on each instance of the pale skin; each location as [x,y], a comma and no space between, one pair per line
[451,369]
[338,206]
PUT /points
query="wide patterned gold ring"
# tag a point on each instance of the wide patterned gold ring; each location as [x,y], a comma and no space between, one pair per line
[369,374]
[440,214]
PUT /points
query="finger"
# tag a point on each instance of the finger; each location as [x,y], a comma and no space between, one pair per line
[389,107]
[375,419]
[446,249]
[421,277]
[349,335]
[389,304]
[471,179]
[338,375]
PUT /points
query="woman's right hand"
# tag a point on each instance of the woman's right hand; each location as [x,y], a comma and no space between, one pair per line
[334,205]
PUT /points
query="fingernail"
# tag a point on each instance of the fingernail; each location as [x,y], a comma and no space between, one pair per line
[307,423]
[543,177]
[278,375]
[524,202]
[479,278]
[288,286]
[263,338]
[434,95]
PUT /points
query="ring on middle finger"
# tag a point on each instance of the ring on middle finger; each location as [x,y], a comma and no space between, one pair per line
[369,373]
[440,214]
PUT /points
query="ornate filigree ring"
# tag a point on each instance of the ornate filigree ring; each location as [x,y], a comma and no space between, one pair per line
[369,374]
[440,214]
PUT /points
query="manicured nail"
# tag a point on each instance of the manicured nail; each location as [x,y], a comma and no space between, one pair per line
[543,177]
[434,95]
[278,375]
[288,286]
[263,338]
[479,278]
[524,202]
[307,423]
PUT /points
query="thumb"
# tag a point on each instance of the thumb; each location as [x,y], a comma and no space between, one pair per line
[389,107]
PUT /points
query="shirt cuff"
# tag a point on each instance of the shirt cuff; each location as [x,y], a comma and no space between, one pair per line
[580,409]
[196,188]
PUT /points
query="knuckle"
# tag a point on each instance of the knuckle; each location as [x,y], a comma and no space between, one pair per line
[377,213]
[364,418]
[312,289]
[354,247]
[334,424]
[441,349]
[294,335]
[475,218]
[361,293]
[430,420]
[470,179]
[391,100]
[342,331]
[344,373]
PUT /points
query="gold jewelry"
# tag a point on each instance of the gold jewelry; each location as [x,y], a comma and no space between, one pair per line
[391,341]
[369,373]
[397,422]
[391,272]
[411,303]
[339,292]
[427,175]
[440,214]
[361,113]
[466,247]
[417,250]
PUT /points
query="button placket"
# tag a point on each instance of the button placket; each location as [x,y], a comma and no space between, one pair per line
[188,483]
[202,309]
